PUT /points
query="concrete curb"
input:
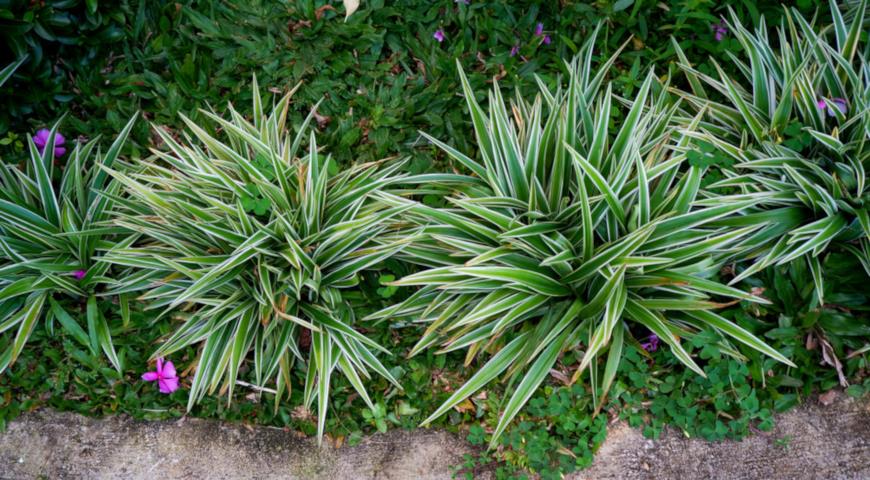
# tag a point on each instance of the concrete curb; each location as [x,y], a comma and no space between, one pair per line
[812,441]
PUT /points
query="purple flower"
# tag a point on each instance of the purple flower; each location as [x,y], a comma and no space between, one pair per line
[837,102]
[439,35]
[539,29]
[79,274]
[165,376]
[840,103]
[515,49]
[547,40]
[41,140]
[719,31]
[652,343]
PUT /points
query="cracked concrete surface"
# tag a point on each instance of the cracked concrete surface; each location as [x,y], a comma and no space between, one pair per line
[812,441]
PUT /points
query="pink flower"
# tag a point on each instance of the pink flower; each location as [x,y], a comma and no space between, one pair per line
[439,35]
[165,376]
[41,140]
[539,29]
[79,274]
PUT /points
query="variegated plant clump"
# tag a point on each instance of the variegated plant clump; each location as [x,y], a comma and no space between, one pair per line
[254,245]
[796,125]
[54,227]
[572,232]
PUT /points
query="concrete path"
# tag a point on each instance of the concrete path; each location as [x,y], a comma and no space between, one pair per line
[814,441]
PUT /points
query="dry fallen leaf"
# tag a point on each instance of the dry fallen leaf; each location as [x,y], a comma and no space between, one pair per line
[560,376]
[465,406]
[829,357]
[318,14]
[828,398]
[811,343]
[322,120]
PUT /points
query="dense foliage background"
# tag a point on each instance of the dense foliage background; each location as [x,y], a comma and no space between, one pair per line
[382,76]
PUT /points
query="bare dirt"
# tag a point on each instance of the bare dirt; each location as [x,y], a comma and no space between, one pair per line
[813,441]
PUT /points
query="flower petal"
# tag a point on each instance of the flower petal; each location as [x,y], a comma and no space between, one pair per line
[149,376]
[168,385]
[59,151]
[41,137]
[168,370]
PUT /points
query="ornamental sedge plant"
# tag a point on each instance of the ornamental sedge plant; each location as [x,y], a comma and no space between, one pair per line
[254,247]
[796,123]
[572,233]
[7,71]
[54,226]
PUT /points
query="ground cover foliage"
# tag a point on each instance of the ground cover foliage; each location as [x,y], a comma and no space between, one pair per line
[702,181]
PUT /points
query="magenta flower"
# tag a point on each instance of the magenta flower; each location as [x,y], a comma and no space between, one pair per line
[652,343]
[547,40]
[719,31]
[41,140]
[439,35]
[79,274]
[165,376]
[539,29]
[515,49]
